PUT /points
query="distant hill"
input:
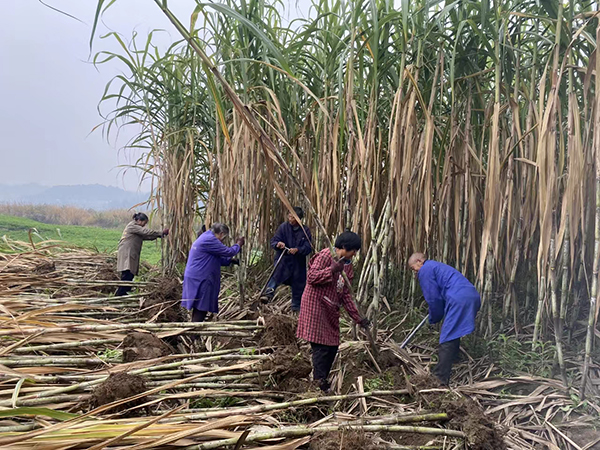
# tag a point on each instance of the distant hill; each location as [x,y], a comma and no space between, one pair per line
[88,196]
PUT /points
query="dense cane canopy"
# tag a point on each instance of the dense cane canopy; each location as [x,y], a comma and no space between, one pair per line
[463,129]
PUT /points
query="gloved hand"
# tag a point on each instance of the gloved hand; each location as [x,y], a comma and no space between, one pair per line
[337,267]
[240,241]
[165,232]
[365,323]
[234,262]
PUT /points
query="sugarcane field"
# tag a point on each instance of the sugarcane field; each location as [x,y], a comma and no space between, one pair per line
[368,225]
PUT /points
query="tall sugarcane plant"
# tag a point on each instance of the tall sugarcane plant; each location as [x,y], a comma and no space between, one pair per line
[463,129]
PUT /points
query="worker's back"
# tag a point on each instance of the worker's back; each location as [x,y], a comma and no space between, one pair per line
[449,280]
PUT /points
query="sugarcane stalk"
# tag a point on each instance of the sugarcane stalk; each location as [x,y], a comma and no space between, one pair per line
[212,326]
[555,306]
[564,295]
[66,398]
[540,307]
[307,431]
[467,183]
[73,362]
[487,291]
[591,325]
[84,361]
[175,374]
[231,387]
[224,412]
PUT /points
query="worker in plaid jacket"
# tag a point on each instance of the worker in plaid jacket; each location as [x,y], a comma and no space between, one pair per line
[319,320]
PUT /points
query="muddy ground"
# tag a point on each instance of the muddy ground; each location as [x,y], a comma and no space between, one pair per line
[139,346]
[118,386]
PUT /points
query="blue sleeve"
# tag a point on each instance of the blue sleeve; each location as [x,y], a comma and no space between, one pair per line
[217,248]
[225,261]
[278,237]
[306,247]
[432,294]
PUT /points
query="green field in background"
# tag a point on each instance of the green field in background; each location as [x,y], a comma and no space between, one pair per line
[101,239]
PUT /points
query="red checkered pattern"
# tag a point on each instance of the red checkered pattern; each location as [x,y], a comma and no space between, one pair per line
[319,320]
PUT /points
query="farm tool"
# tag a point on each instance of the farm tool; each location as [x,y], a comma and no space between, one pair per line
[413,332]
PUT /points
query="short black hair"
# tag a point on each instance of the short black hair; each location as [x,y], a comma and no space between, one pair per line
[299,212]
[348,241]
[140,216]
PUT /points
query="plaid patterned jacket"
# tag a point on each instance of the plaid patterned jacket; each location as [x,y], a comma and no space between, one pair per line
[319,319]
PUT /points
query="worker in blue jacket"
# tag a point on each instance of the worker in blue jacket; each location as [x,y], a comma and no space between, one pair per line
[295,242]
[451,298]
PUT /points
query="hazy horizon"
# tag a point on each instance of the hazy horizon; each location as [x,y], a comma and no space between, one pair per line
[50,91]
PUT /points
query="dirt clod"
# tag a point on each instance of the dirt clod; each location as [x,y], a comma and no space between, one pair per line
[482,433]
[163,302]
[426,381]
[348,440]
[139,346]
[291,366]
[279,330]
[118,386]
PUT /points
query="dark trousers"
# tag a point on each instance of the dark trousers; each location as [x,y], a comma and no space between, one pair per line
[198,316]
[447,355]
[322,361]
[297,291]
[126,275]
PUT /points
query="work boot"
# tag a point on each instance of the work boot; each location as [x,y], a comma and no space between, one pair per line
[325,386]
[267,296]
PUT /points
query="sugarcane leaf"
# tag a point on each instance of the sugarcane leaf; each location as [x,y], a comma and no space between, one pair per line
[33,411]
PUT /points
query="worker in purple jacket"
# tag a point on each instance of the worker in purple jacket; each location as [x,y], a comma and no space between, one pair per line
[202,277]
[295,241]
[451,298]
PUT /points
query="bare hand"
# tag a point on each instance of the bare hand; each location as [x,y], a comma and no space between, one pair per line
[281,245]
[337,267]
[165,232]
[293,251]
[240,241]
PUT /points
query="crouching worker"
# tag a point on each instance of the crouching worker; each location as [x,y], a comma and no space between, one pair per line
[451,298]
[202,276]
[319,320]
[292,243]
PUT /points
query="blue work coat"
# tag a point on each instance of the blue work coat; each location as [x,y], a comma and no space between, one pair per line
[450,297]
[292,268]
[202,277]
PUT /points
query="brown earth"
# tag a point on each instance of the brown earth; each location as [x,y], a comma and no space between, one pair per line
[163,302]
[279,330]
[140,346]
[467,416]
[118,386]
[464,414]
[392,375]
[347,440]
[291,366]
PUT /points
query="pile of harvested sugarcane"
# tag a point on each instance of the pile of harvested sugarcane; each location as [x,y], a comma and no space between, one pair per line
[80,368]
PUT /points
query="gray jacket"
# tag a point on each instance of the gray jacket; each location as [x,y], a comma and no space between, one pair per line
[130,246]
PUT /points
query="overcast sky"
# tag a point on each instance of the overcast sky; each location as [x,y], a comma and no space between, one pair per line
[49,91]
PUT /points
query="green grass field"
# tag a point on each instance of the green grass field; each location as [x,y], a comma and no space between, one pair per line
[101,239]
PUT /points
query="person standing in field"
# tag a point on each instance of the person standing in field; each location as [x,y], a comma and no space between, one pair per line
[451,298]
[326,291]
[202,276]
[130,248]
[295,242]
